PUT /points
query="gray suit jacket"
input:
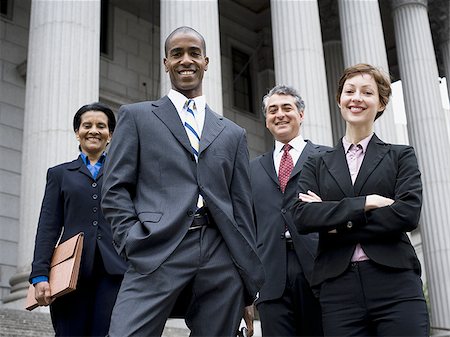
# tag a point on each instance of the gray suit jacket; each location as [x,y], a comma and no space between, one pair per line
[151,184]
[271,214]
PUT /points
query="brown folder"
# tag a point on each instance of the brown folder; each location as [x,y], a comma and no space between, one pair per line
[64,269]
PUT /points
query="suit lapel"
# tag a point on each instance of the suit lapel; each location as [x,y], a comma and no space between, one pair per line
[267,163]
[212,127]
[167,113]
[376,150]
[338,168]
[78,164]
[100,173]
[307,151]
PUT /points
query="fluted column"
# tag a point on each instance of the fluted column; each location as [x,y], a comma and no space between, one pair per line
[299,61]
[428,134]
[334,63]
[203,16]
[62,74]
[363,42]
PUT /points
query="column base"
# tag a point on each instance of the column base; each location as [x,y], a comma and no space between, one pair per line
[18,293]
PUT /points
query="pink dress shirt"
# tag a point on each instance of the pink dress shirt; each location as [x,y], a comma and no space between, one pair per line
[355,155]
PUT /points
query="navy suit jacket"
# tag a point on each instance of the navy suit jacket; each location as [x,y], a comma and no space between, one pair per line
[152,182]
[271,215]
[388,170]
[72,199]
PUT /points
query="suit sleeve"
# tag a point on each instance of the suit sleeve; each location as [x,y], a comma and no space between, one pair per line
[49,226]
[402,216]
[119,180]
[240,191]
[326,215]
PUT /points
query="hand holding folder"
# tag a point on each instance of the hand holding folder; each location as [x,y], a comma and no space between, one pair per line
[64,269]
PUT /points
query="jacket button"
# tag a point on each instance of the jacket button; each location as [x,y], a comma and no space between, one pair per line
[94,209]
[94,196]
[99,237]
[94,184]
[95,223]
[190,213]
[283,210]
[349,225]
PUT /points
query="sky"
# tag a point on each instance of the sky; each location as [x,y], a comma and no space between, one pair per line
[399,106]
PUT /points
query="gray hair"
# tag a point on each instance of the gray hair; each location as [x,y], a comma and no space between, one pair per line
[283,90]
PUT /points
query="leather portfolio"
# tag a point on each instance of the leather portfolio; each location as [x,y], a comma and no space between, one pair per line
[64,269]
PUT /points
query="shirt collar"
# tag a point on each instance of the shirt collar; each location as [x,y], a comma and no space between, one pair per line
[364,143]
[86,161]
[297,143]
[179,100]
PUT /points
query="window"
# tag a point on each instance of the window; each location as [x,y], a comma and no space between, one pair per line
[6,8]
[105,28]
[242,84]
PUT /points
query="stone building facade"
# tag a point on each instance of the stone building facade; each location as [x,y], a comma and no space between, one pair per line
[58,55]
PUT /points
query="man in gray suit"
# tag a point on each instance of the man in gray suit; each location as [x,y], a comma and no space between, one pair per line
[180,207]
[287,306]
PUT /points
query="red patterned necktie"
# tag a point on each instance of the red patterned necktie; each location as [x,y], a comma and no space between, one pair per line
[286,166]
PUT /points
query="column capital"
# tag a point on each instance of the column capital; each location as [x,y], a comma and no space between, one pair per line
[399,3]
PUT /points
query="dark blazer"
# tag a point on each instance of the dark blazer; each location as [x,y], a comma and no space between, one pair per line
[152,182]
[72,200]
[388,170]
[270,208]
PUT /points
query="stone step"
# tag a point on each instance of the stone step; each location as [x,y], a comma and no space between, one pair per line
[21,323]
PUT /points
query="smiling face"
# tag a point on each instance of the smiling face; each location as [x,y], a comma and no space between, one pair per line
[359,101]
[283,118]
[93,133]
[186,63]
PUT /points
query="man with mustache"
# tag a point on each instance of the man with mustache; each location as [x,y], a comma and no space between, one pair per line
[287,306]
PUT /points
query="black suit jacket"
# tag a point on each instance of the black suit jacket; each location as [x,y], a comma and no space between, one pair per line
[72,200]
[270,208]
[388,170]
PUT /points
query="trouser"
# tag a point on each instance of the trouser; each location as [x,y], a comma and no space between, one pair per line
[202,264]
[87,310]
[369,299]
[297,312]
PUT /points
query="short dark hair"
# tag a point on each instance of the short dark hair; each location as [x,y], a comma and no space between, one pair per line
[184,29]
[282,89]
[96,106]
[381,78]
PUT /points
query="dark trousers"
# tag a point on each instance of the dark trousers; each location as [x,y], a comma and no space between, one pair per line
[374,300]
[201,264]
[87,310]
[297,312]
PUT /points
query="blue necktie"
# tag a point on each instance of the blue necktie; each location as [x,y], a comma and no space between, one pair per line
[192,127]
[193,133]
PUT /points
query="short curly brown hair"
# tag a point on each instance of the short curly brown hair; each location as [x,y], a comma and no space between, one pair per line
[381,78]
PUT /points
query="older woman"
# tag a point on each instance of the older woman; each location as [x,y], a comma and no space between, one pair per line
[362,197]
[71,205]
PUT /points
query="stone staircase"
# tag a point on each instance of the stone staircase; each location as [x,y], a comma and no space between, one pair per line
[22,323]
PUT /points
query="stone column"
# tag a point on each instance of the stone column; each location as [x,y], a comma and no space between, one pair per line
[363,42]
[428,135]
[334,62]
[299,61]
[62,75]
[203,16]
